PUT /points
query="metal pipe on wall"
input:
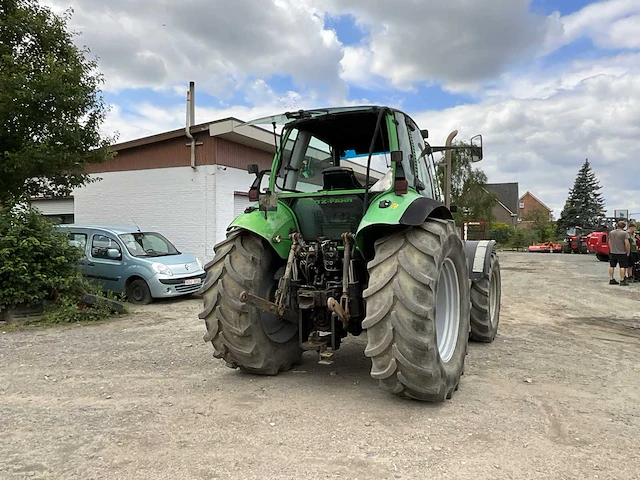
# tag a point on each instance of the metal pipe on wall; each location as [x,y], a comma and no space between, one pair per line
[191,120]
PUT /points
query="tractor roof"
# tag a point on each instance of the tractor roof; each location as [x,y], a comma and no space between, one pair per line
[347,128]
[288,117]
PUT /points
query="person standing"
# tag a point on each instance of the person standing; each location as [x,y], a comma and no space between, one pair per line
[619,246]
[633,251]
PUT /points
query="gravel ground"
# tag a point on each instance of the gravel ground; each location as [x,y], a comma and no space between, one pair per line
[555,396]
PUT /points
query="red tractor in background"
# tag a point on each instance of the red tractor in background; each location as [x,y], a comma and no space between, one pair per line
[575,241]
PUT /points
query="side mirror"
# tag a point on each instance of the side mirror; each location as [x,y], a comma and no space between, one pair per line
[476,148]
[253,168]
[113,254]
[254,190]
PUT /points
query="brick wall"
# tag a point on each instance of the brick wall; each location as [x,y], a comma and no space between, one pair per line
[529,204]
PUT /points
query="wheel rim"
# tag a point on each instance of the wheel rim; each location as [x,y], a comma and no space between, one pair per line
[136,292]
[493,297]
[447,310]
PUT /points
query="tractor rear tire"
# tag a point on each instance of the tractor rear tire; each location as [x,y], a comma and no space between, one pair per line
[417,305]
[485,304]
[243,336]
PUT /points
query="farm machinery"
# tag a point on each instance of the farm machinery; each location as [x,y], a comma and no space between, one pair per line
[598,243]
[545,247]
[575,241]
[331,249]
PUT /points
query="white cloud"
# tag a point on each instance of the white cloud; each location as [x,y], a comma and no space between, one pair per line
[219,44]
[609,24]
[456,42]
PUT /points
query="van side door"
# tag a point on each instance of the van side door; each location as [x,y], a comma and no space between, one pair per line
[105,263]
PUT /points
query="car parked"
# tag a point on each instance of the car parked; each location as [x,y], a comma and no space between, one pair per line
[143,265]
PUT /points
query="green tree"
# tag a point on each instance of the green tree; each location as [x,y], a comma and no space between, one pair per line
[541,225]
[522,238]
[584,204]
[50,105]
[468,188]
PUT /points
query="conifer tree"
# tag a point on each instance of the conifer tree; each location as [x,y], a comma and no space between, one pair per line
[585,203]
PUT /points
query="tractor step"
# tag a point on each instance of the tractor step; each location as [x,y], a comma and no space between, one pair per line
[326,357]
[319,344]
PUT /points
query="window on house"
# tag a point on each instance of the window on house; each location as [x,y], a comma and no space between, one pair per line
[521,204]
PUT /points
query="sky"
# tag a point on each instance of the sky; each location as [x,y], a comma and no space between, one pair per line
[548,83]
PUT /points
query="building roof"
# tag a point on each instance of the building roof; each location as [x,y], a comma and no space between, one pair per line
[228,128]
[507,194]
[536,199]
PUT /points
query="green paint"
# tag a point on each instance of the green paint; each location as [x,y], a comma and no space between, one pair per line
[322,193]
[385,216]
[277,223]
[393,133]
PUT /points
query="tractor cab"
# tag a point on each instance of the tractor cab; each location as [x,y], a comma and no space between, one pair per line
[331,164]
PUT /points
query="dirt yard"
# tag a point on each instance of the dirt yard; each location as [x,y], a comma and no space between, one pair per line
[556,396]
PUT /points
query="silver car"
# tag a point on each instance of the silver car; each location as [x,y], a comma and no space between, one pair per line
[143,265]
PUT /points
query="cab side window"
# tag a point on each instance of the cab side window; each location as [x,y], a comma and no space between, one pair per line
[426,181]
[407,147]
[101,245]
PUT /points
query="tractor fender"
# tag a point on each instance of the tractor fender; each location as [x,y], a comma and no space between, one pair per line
[275,228]
[478,257]
[422,208]
[391,210]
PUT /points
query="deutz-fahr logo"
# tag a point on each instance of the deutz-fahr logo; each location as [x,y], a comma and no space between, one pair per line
[325,201]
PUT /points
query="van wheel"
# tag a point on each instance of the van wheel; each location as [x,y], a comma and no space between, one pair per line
[138,292]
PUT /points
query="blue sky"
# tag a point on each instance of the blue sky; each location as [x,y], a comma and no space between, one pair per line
[547,82]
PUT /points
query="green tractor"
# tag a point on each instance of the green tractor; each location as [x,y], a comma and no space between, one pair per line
[353,234]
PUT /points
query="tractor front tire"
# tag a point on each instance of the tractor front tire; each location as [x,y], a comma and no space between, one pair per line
[417,306]
[485,304]
[243,336]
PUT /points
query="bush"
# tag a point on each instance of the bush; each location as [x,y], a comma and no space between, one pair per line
[38,264]
[36,261]
[501,233]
